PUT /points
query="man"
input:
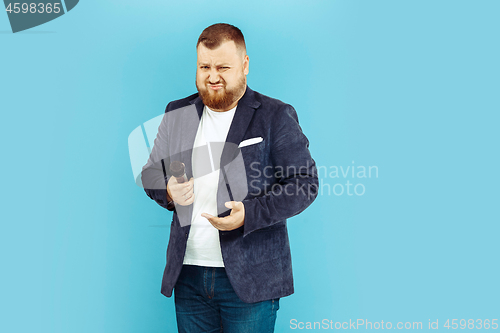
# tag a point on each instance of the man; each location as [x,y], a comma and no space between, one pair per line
[228,257]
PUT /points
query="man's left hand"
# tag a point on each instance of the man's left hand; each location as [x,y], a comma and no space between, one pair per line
[233,221]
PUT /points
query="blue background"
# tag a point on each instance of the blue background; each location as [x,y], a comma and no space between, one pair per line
[411,87]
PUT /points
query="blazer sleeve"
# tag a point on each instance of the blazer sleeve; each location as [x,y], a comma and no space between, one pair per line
[155,174]
[295,173]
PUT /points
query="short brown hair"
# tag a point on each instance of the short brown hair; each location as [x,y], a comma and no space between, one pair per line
[217,33]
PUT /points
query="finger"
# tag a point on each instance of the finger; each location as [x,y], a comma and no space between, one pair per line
[172,181]
[188,193]
[187,184]
[190,184]
[182,186]
[188,196]
[207,216]
[185,201]
[235,205]
[216,224]
[180,190]
[187,188]
[218,221]
[211,218]
[189,200]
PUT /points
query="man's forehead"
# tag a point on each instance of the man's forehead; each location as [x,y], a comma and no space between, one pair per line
[226,52]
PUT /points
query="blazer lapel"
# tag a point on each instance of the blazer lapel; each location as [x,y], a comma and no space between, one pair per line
[242,117]
[241,120]
[188,133]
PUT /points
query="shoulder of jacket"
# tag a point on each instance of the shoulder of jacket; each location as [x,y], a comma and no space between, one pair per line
[177,104]
[275,109]
[268,102]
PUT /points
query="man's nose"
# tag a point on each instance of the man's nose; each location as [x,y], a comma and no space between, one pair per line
[213,76]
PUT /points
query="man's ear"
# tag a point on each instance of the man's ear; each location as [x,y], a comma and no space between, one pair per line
[246,61]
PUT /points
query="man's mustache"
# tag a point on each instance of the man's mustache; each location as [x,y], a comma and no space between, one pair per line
[223,83]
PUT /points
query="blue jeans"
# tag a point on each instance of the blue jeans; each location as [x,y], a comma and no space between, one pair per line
[205,301]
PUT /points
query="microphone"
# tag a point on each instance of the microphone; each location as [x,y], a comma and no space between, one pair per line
[178,170]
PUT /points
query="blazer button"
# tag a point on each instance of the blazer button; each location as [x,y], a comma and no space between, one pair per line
[186,234]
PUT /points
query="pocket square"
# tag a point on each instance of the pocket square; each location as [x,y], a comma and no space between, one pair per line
[249,142]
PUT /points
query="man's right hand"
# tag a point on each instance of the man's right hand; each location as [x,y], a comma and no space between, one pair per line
[181,193]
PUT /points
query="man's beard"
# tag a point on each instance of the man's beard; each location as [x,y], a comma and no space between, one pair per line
[223,98]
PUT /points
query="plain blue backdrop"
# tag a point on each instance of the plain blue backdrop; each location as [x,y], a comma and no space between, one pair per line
[411,87]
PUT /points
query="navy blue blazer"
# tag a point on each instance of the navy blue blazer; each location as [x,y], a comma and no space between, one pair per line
[281,181]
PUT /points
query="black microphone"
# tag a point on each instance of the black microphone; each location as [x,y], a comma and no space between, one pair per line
[178,170]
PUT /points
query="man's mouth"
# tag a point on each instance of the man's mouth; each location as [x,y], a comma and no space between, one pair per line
[215,86]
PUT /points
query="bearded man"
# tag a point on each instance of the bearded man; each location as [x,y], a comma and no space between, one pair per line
[228,257]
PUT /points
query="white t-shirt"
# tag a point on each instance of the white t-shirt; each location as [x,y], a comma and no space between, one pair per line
[203,245]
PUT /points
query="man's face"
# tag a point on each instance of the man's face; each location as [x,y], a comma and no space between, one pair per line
[221,75]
